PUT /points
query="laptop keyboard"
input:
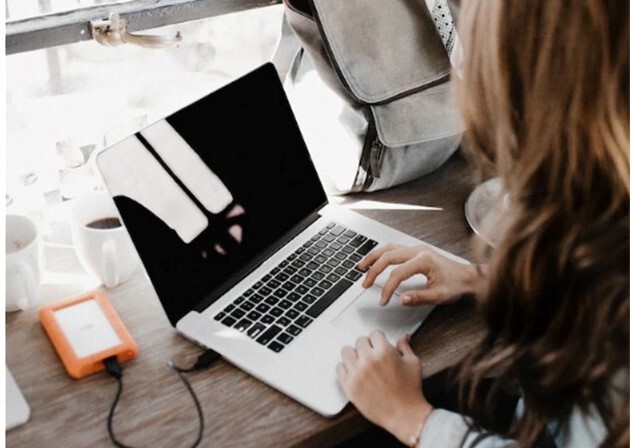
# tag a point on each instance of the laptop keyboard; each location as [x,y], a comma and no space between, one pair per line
[278,307]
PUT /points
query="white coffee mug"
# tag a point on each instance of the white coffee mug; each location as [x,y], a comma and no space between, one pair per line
[103,246]
[23,263]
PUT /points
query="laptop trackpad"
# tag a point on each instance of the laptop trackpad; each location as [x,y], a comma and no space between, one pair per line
[365,314]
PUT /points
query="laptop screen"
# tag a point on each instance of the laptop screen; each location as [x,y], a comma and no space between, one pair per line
[207,190]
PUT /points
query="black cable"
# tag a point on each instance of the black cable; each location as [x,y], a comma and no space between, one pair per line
[116,371]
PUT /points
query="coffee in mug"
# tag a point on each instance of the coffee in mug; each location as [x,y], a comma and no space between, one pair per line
[105,223]
[103,246]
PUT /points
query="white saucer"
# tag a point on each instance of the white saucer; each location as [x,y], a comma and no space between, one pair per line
[478,207]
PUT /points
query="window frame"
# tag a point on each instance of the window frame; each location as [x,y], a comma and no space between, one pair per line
[73,26]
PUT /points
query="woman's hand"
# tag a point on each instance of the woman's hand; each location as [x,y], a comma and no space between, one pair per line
[384,383]
[447,280]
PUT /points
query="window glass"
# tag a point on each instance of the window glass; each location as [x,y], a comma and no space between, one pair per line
[64,103]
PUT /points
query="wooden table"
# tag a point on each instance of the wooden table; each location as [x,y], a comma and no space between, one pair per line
[240,411]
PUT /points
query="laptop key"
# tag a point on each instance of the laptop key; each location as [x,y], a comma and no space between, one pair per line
[353,275]
[229,321]
[265,291]
[341,256]
[355,257]
[292,314]
[253,315]
[243,324]
[366,247]
[330,225]
[220,316]
[272,300]
[290,270]
[273,284]
[239,300]
[289,285]
[267,319]
[297,278]
[333,278]
[321,244]
[229,308]
[293,297]
[343,240]
[325,269]
[281,277]
[304,321]
[333,262]
[309,282]
[280,293]
[304,272]
[255,330]
[249,292]
[298,264]
[283,321]
[294,330]
[350,234]
[276,347]
[357,241]
[302,289]
[323,303]
[247,306]
[285,338]
[257,285]
[318,276]
[335,246]
[348,264]
[328,252]
[238,313]
[300,306]
[276,311]
[269,334]
[262,308]
[325,284]
[309,299]
[338,230]
[256,298]
[347,249]
[318,291]
[312,265]
[340,270]
[285,304]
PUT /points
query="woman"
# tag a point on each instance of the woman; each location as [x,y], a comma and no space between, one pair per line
[545,96]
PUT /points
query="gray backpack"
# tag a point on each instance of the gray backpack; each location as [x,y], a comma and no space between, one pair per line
[371,90]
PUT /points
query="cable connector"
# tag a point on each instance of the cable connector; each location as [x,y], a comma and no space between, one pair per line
[113,367]
[205,360]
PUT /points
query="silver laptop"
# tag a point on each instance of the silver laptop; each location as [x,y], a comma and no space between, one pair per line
[246,255]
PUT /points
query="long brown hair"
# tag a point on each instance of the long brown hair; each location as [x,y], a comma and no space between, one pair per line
[545,96]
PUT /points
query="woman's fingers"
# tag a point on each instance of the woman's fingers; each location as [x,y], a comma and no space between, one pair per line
[403,346]
[349,356]
[341,372]
[378,340]
[363,346]
[417,265]
[370,258]
[430,296]
[393,256]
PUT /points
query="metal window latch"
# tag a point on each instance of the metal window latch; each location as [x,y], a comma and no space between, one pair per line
[112,33]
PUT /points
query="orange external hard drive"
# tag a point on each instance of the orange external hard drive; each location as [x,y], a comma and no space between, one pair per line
[85,330]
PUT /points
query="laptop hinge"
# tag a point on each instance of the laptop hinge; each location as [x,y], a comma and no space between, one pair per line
[257,261]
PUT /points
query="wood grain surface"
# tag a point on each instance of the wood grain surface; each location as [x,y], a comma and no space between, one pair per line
[155,409]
